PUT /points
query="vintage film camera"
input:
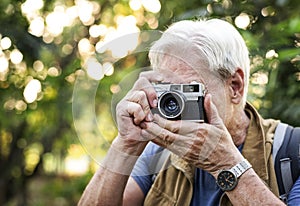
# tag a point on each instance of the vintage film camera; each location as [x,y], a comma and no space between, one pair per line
[180,101]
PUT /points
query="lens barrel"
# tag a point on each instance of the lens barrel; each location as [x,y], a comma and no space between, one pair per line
[171,104]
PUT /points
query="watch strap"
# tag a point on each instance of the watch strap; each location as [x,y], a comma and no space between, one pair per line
[241,168]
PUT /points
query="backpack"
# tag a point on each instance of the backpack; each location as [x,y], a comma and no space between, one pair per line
[286,156]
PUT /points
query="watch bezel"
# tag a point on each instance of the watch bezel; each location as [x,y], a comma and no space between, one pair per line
[224,185]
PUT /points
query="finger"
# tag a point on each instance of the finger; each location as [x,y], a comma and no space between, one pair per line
[140,97]
[151,94]
[178,144]
[152,76]
[177,126]
[136,111]
[144,83]
[147,135]
[212,112]
[171,125]
[159,135]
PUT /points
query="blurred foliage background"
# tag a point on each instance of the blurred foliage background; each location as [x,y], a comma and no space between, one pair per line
[46,44]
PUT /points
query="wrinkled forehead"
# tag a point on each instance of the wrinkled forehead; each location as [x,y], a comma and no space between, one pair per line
[175,69]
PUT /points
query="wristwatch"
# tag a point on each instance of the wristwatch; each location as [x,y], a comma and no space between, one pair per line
[227,180]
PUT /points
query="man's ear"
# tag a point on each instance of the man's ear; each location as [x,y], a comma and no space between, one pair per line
[236,86]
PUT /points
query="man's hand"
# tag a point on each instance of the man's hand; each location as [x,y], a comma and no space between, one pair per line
[134,109]
[206,145]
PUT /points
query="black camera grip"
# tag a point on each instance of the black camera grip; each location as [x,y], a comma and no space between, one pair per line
[201,109]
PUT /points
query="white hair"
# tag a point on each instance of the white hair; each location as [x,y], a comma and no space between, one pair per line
[214,42]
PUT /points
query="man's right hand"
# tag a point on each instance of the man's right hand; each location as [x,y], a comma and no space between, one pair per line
[134,109]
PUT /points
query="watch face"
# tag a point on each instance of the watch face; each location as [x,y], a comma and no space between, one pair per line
[226,180]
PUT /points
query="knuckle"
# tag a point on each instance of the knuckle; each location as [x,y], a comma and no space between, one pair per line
[136,96]
[202,132]
[140,83]
[166,137]
[147,108]
[142,79]
[141,94]
[142,75]
[151,92]
[174,130]
[137,108]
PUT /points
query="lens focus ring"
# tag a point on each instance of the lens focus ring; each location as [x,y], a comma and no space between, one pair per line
[171,104]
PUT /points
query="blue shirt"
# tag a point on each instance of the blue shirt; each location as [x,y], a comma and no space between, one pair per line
[206,191]
[294,196]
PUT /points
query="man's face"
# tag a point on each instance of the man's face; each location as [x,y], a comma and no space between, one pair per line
[177,71]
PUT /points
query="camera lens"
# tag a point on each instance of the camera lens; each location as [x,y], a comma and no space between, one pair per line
[171,105]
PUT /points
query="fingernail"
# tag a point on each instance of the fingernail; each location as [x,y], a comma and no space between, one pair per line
[149,117]
[160,78]
[154,103]
[143,125]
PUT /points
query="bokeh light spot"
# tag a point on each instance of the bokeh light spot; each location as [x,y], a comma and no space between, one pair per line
[5,43]
[242,21]
[31,90]
[16,56]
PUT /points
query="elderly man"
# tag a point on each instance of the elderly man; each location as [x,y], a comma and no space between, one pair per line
[223,160]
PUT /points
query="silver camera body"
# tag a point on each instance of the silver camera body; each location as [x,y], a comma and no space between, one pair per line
[180,101]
